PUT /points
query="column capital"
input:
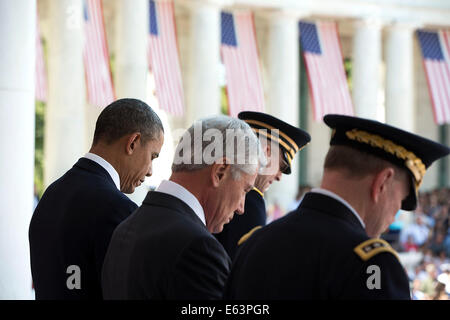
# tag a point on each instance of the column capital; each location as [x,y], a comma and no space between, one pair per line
[210,3]
[389,24]
[369,22]
[407,26]
[283,15]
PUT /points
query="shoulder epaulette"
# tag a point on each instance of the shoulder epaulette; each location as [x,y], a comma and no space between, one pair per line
[372,247]
[259,192]
[248,235]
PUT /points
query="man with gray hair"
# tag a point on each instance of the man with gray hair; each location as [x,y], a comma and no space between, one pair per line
[73,223]
[280,142]
[165,249]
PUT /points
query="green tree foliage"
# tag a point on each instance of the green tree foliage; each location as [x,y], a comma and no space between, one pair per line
[348,72]
[39,148]
[224,101]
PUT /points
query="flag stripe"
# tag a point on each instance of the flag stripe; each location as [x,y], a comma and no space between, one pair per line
[446,84]
[163,57]
[435,54]
[324,66]
[174,57]
[333,79]
[444,73]
[437,105]
[342,83]
[241,59]
[312,74]
[99,82]
[445,39]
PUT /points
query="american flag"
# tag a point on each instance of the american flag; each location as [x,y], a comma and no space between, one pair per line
[96,58]
[435,47]
[41,75]
[324,65]
[163,57]
[241,60]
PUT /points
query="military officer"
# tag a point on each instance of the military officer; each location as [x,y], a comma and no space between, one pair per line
[329,247]
[280,142]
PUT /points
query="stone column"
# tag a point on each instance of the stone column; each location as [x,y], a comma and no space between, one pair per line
[283,97]
[17,109]
[131,67]
[203,90]
[400,77]
[366,68]
[131,48]
[64,139]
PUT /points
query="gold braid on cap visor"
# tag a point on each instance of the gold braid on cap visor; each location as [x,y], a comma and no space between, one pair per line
[412,162]
[284,135]
[290,152]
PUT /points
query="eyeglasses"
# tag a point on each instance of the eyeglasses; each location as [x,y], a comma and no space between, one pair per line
[283,165]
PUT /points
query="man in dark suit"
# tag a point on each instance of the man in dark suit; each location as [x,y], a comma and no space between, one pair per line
[329,247]
[72,225]
[165,249]
[280,142]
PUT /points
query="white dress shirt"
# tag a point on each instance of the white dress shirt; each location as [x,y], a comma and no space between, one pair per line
[336,197]
[106,165]
[174,189]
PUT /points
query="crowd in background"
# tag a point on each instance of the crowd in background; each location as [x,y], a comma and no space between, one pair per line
[426,235]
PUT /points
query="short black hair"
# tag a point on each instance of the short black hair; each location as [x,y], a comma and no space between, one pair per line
[125,116]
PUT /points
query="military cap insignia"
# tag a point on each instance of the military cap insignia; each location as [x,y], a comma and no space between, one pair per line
[372,247]
[248,235]
[412,162]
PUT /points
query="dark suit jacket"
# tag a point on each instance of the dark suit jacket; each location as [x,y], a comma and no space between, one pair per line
[254,215]
[72,225]
[164,251]
[309,254]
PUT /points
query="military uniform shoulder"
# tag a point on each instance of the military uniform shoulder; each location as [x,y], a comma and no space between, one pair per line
[256,192]
[371,247]
[254,198]
[246,236]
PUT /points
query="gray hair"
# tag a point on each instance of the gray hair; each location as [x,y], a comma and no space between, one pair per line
[125,116]
[212,139]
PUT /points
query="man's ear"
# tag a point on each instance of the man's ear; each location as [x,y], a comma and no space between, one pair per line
[131,142]
[219,170]
[380,183]
[268,150]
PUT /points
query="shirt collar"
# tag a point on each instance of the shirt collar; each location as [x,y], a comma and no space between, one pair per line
[338,198]
[105,165]
[178,191]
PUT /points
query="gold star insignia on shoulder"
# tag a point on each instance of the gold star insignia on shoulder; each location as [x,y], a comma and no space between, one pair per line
[372,247]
